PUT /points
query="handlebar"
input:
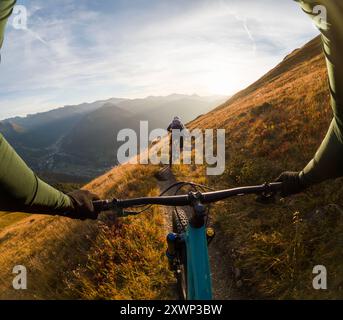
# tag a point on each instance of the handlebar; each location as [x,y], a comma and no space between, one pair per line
[187,199]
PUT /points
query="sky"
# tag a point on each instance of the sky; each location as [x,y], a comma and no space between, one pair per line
[75,51]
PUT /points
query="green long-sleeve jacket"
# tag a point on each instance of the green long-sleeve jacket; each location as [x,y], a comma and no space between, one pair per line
[6,7]
[328,160]
[20,188]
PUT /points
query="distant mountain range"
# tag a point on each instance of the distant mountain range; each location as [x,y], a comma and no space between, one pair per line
[77,143]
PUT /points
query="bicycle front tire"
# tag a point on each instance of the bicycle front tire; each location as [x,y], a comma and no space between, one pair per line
[180,223]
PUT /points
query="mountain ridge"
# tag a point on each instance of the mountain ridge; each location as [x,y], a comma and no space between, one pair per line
[52,144]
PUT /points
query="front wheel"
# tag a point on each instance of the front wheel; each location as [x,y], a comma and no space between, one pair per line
[180,223]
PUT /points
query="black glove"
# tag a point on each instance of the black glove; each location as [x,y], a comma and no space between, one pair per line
[82,201]
[291,183]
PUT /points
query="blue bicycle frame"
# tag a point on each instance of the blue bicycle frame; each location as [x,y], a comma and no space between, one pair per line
[199,286]
[195,238]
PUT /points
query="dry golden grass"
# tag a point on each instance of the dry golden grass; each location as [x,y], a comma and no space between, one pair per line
[275,125]
[127,260]
[85,259]
[49,247]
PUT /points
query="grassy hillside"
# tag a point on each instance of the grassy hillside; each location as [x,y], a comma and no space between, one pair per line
[89,260]
[49,247]
[277,124]
[127,260]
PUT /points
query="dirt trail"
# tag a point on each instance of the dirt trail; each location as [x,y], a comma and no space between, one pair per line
[223,275]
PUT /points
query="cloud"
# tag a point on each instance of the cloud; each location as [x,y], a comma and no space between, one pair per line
[82,51]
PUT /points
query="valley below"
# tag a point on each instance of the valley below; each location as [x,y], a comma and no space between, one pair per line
[78,143]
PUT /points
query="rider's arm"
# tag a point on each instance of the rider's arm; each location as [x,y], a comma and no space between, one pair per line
[22,190]
[328,160]
[6,7]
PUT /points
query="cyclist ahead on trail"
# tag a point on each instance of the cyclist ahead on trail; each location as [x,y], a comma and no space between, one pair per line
[176,124]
